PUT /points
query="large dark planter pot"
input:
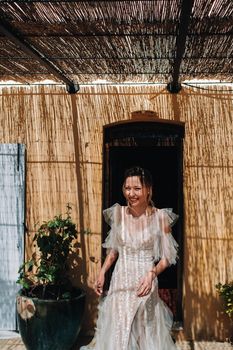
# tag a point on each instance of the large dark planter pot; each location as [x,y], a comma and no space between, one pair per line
[50,324]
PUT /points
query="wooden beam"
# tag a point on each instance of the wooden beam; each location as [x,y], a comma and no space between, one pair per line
[174,86]
[29,49]
[107,58]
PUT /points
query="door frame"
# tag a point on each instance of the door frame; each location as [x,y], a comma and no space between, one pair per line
[158,128]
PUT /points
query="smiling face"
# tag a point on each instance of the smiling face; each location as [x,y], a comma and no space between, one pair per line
[135,193]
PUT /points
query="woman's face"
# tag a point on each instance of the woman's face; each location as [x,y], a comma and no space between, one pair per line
[135,193]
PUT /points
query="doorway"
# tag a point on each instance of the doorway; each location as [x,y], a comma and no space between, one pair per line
[158,147]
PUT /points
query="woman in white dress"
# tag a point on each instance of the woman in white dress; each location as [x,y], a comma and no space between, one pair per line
[132,316]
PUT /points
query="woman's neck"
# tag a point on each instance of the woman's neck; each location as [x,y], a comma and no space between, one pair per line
[138,211]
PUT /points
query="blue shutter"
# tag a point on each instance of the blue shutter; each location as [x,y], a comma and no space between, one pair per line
[12,214]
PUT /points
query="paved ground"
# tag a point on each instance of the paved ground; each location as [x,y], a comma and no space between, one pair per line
[16,344]
[184,345]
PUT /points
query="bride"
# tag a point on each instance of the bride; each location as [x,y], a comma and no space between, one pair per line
[132,316]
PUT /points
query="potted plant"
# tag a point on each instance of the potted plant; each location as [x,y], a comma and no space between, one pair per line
[49,308]
[226,293]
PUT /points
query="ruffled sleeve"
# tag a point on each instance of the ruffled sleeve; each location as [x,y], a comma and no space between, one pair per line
[168,246]
[112,218]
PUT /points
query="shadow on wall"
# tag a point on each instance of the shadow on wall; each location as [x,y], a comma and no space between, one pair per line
[77,275]
[206,325]
[208,208]
[204,314]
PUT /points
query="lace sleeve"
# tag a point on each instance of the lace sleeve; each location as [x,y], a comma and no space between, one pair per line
[112,218]
[168,245]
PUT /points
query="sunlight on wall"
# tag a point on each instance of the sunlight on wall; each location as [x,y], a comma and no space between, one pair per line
[63,136]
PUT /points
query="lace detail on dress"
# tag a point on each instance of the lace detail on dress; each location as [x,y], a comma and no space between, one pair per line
[112,218]
[165,246]
[170,216]
[110,214]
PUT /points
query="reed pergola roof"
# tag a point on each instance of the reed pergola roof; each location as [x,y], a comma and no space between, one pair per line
[74,42]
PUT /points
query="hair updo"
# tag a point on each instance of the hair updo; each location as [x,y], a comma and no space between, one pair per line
[145,178]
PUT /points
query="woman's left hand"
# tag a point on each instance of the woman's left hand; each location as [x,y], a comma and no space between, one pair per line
[145,285]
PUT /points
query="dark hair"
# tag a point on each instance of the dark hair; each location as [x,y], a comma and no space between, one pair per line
[143,174]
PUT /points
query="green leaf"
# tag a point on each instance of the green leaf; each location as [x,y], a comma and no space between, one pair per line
[66,295]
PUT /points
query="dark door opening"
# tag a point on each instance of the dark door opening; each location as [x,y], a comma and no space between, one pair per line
[157,147]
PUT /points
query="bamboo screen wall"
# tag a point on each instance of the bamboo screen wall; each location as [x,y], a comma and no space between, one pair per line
[63,136]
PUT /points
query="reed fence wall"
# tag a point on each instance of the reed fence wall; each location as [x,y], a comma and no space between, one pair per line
[63,138]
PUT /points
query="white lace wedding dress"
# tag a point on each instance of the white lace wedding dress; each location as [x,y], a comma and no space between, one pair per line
[126,321]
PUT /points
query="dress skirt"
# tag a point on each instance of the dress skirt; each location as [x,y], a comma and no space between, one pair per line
[128,322]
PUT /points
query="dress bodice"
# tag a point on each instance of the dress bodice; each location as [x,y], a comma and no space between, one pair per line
[144,235]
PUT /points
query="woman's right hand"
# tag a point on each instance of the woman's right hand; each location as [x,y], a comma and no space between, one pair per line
[99,284]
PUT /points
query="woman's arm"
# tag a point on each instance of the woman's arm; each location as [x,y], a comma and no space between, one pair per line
[145,285]
[110,259]
[168,254]
[159,268]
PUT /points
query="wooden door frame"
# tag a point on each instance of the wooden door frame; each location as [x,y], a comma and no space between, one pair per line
[165,128]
